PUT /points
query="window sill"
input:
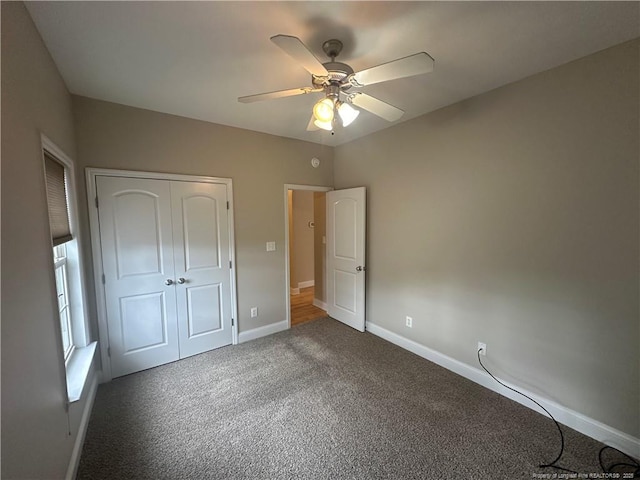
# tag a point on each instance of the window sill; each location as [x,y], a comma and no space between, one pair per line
[78,368]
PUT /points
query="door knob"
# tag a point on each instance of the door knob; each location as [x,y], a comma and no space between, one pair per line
[168,281]
[181,280]
[360,268]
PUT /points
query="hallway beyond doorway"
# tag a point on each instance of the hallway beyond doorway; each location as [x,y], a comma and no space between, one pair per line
[302,307]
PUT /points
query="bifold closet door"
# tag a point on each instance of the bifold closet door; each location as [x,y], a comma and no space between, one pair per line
[137,259]
[165,255]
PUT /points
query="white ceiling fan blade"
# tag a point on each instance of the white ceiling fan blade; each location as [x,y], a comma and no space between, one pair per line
[300,53]
[403,67]
[312,126]
[278,94]
[375,106]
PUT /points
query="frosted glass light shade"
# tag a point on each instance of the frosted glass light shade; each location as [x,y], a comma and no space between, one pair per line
[324,125]
[347,114]
[323,110]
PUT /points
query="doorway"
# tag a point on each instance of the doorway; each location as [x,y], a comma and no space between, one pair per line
[306,242]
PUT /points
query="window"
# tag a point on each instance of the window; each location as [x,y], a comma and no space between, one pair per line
[62,291]
[76,350]
[58,204]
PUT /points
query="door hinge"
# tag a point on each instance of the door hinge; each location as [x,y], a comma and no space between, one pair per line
[108,351]
[232,322]
[230,264]
[104,280]
[96,202]
[227,205]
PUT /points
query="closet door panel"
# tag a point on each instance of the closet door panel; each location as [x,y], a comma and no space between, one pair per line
[202,269]
[137,259]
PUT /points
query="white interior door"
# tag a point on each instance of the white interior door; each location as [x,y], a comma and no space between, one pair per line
[137,260]
[202,270]
[346,221]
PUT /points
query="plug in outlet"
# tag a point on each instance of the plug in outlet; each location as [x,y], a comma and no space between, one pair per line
[483,348]
[409,322]
[254,312]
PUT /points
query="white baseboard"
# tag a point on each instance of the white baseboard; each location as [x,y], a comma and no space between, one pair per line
[72,469]
[307,284]
[294,291]
[583,424]
[262,331]
[320,304]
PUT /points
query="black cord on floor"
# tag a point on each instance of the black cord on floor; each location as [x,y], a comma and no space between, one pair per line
[550,464]
[609,469]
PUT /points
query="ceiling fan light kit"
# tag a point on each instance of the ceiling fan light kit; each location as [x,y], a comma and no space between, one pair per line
[335,79]
[347,113]
[328,126]
[323,110]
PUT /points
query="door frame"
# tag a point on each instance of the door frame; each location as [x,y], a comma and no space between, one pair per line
[287,187]
[94,227]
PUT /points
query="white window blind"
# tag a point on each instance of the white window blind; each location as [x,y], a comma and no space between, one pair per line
[57,200]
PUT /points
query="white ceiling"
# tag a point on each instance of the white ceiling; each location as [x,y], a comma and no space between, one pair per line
[195,58]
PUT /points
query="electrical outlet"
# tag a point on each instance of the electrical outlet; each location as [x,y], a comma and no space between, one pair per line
[409,322]
[271,246]
[483,348]
[254,312]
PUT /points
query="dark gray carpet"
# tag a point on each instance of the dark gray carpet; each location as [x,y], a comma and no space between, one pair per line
[319,401]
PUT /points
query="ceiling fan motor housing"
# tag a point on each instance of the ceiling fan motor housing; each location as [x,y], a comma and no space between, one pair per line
[338,73]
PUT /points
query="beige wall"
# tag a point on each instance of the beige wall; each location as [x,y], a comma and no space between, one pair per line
[115,136]
[512,218]
[35,433]
[303,236]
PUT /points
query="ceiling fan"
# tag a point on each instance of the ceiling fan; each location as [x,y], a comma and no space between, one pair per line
[340,83]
